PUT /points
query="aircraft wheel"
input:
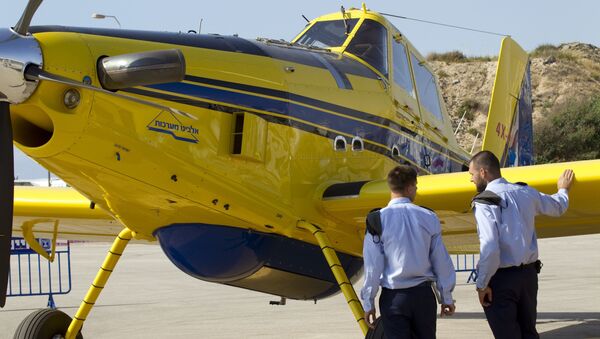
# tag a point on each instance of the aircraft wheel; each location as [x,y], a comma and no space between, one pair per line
[376,333]
[44,324]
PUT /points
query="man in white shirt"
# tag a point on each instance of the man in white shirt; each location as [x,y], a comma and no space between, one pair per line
[404,255]
[507,281]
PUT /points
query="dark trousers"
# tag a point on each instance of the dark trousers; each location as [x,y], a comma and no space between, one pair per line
[512,313]
[408,313]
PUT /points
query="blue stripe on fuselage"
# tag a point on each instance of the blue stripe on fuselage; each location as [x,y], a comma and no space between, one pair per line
[345,125]
[322,105]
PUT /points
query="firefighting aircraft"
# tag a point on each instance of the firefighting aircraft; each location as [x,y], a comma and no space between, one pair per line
[253,163]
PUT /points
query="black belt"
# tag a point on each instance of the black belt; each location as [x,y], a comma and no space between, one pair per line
[520,267]
[423,284]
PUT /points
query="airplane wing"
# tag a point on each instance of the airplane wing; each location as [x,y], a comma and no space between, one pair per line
[78,219]
[449,195]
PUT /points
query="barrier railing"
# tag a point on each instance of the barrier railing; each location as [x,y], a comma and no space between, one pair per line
[466,263]
[32,275]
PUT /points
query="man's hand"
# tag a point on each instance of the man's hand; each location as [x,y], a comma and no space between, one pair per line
[485,296]
[370,317]
[447,310]
[566,179]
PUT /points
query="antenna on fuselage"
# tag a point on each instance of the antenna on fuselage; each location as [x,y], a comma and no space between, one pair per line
[344,18]
[200,28]
[305,18]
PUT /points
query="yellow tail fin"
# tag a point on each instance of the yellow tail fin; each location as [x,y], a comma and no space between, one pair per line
[508,132]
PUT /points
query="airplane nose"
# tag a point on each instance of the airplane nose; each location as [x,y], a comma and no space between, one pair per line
[16,53]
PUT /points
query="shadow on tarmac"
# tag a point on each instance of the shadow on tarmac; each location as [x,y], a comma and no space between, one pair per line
[588,323]
[76,307]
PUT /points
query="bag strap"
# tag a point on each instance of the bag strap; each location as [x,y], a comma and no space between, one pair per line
[374,223]
[487,198]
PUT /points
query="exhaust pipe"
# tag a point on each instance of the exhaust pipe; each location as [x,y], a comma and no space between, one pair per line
[141,69]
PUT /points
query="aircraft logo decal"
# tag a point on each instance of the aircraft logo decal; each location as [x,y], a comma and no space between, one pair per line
[166,122]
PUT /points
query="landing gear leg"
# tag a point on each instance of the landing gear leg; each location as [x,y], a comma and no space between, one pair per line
[101,278]
[338,272]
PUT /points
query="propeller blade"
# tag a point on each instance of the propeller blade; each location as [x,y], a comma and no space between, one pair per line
[6,196]
[23,25]
[34,73]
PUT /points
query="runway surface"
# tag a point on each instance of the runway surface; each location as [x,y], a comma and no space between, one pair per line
[148,297]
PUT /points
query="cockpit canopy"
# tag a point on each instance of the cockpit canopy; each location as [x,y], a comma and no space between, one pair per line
[369,43]
[327,34]
[375,41]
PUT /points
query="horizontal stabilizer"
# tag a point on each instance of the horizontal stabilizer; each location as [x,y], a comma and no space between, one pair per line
[508,132]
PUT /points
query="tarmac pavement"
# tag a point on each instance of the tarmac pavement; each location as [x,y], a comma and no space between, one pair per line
[148,297]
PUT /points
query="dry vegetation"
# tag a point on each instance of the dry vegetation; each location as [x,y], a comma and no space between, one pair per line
[561,75]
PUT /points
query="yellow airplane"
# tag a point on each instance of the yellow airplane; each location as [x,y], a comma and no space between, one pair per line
[253,163]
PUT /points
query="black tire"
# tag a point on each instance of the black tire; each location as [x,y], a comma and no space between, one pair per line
[44,324]
[376,333]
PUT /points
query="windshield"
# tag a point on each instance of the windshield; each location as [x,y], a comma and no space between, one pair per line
[325,34]
[370,44]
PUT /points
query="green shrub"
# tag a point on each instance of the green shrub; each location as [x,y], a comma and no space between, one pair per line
[544,50]
[442,74]
[468,107]
[484,58]
[548,50]
[569,132]
[473,131]
[454,56]
[458,56]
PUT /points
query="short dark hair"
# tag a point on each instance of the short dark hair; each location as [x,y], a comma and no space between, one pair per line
[488,161]
[401,177]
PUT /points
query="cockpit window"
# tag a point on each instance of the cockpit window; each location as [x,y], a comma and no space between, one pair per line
[370,44]
[402,68]
[325,34]
[428,92]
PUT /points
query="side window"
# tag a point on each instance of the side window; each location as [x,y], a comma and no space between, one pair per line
[401,68]
[428,93]
[370,44]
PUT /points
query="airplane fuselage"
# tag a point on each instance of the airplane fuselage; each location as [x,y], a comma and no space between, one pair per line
[278,128]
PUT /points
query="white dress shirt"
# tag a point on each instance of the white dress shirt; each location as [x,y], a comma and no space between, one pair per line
[409,252]
[507,232]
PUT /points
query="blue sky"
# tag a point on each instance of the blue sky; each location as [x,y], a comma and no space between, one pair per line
[531,23]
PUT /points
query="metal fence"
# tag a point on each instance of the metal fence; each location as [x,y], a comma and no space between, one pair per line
[466,263]
[31,274]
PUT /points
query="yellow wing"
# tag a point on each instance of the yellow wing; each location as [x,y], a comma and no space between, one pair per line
[450,196]
[76,217]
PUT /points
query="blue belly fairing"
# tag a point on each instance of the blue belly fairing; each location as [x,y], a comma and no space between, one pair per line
[235,256]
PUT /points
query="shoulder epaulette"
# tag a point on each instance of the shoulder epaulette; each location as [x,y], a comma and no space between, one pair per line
[374,223]
[520,183]
[487,198]
[427,208]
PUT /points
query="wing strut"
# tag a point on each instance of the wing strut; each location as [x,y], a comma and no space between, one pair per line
[338,272]
[112,258]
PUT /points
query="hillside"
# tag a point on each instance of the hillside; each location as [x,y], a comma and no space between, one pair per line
[559,74]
